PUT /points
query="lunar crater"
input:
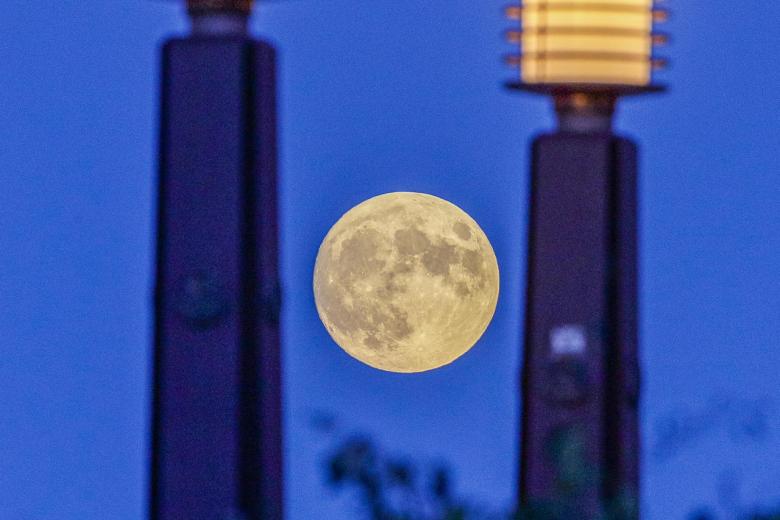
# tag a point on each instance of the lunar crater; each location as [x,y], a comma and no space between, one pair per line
[406,282]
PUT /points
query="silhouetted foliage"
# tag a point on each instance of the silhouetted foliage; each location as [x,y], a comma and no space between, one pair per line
[702,514]
[399,488]
[742,419]
[392,488]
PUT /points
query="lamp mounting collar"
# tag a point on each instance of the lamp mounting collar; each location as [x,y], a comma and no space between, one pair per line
[223,6]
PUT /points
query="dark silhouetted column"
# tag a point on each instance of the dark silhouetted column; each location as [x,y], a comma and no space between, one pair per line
[580,442]
[216,442]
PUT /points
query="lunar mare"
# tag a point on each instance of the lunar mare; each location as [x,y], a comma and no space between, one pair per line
[406,282]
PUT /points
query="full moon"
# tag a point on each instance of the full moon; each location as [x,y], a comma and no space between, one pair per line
[406,282]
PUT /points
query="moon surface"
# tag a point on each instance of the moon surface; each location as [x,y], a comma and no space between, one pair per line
[406,282]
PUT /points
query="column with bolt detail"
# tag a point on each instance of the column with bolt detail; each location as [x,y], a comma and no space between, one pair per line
[216,429]
[580,377]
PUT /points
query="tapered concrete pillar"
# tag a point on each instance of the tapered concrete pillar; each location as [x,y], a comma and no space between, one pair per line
[216,440]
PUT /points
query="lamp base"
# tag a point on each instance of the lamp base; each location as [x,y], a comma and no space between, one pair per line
[216,428]
[585,107]
[580,440]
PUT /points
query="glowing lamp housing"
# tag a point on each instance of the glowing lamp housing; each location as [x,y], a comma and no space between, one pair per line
[586,45]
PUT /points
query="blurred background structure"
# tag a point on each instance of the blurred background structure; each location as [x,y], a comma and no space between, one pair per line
[580,445]
[377,97]
[216,443]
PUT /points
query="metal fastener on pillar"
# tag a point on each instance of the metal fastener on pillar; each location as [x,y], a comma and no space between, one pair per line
[216,428]
[580,377]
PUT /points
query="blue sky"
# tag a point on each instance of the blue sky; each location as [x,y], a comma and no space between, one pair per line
[378,97]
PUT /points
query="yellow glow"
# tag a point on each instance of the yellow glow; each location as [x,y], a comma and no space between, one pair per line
[639,3]
[551,17]
[587,41]
[596,43]
[586,71]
